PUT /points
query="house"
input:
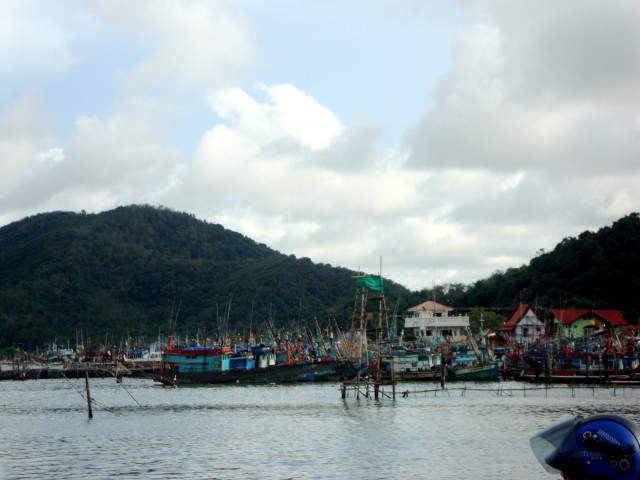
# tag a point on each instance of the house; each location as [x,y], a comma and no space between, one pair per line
[585,322]
[524,326]
[431,321]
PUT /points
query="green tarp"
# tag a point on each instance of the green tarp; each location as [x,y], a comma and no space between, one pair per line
[373,282]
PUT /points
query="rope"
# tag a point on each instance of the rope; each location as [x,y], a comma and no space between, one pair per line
[125,389]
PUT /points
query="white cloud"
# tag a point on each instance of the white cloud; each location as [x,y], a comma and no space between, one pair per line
[291,114]
[531,135]
[264,157]
[536,126]
[33,39]
[198,43]
[23,139]
[537,87]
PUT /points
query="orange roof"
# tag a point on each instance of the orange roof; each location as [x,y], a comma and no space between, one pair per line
[429,306]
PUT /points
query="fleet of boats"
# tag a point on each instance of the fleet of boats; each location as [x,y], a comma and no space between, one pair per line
[443,349]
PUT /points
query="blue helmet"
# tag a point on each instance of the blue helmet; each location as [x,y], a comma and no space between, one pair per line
[605,447]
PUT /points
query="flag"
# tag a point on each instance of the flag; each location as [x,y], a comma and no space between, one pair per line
[374,282]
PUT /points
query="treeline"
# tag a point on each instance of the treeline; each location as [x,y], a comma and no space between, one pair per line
[123,272]
[594,270]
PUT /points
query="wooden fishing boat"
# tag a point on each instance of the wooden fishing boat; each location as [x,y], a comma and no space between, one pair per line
[484,371]
[218,365]
[281,373]
[584,366]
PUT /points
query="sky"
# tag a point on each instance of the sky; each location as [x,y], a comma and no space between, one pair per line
[431,141]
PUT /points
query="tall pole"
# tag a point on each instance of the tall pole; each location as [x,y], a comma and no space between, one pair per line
[86,377]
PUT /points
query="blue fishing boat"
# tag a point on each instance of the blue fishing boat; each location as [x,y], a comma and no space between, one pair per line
[209,365]
[195,359]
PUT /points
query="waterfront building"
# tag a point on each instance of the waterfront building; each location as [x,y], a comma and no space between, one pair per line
[432,321]
[524,326]
[586,322]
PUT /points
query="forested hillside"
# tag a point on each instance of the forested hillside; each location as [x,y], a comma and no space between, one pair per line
[124,271]
[594,270]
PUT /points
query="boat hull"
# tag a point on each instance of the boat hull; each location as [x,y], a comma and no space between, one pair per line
[286,373]
[471,373]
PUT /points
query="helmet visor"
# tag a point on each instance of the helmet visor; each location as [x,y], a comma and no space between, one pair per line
[547,443]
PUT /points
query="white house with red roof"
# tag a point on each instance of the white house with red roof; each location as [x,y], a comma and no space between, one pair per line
[584,322]
[431,320]
[523,325]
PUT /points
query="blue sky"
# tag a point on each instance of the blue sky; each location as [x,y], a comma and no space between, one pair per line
[451,139]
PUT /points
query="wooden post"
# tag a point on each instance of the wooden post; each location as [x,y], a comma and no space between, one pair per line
[443,369]
[548,364]
[86,373]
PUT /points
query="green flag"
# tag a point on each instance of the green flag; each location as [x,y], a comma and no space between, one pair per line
[373,282]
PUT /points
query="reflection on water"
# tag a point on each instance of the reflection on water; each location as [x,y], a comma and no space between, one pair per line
[284,432]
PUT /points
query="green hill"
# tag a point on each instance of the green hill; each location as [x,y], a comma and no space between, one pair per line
[124,271]
[594,270]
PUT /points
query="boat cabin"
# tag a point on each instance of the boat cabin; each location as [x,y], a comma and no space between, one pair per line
[196,359]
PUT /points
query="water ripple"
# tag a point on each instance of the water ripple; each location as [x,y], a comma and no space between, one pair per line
[283,432]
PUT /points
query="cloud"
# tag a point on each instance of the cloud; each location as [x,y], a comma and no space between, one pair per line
[23,139]
[123,157]
[534,129]
[529,133]
[537,88]
[33,39]
[194,44]
[292,114]
[119,160]
[267,156]
[573,51]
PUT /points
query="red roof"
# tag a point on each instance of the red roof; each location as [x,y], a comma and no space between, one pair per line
[515,317]
[430,306]
[614,317]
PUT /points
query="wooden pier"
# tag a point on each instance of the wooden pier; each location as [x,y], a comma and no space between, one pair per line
[71,370]
[368,388]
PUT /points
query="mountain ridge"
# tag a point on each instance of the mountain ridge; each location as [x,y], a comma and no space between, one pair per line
[123,271]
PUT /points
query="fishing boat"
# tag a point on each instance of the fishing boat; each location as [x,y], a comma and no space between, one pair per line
[219,365]
[280,373]
[589,361]
[427,366]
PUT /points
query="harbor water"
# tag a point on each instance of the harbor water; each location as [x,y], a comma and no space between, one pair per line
[305,431]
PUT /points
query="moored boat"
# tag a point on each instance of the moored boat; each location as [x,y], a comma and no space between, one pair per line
[281,373]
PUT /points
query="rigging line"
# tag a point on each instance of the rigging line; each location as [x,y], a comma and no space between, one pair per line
[76,389]
[93,400]
[103,406]
[125,389]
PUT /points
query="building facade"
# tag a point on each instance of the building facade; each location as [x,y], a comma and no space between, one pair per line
[524,326]
[431,321]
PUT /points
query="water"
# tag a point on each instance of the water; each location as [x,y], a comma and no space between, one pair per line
[283,432]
